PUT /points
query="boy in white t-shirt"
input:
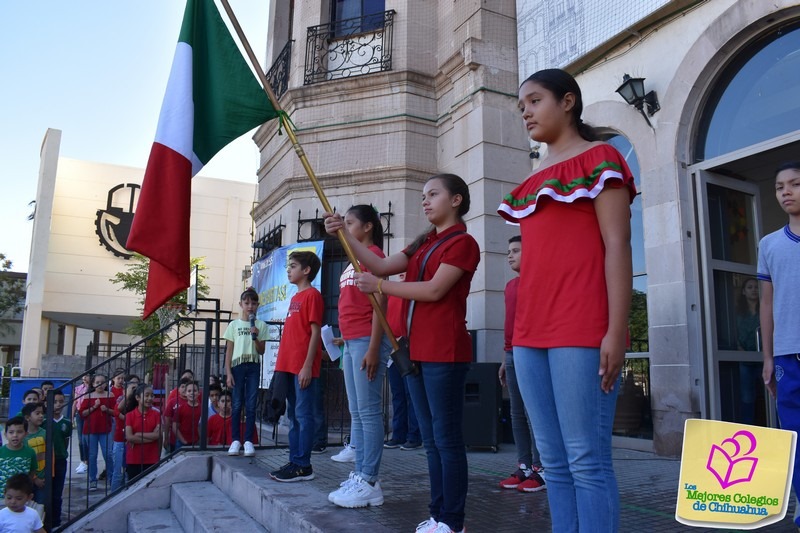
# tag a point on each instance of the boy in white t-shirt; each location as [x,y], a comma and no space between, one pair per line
[17,516]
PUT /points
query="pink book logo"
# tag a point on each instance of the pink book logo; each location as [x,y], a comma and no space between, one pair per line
[730,462]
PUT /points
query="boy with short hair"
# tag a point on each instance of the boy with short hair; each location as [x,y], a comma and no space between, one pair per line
[62,431]
[246,342]
[300,353]
[47,385]
[30,396]
[169,413]
[186,421]
[15,457]
[214,392]
[779,280]
[527,477]
[36,439]
[219,424]
[17,516]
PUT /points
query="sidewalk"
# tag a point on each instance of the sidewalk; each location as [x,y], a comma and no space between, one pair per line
[647,484]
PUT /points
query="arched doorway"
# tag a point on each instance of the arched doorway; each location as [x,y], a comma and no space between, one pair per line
[749,125]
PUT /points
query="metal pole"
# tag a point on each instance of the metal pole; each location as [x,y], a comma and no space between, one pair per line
[206,375]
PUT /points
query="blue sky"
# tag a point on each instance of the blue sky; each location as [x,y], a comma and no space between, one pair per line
[96,70]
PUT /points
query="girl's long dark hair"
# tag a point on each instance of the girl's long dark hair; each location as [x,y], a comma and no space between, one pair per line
[367,214]
[560,83]
[454,185]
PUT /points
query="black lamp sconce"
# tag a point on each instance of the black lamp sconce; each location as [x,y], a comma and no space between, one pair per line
[632,91]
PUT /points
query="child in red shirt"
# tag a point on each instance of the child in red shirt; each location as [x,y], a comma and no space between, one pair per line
[143,433]
[97,410]
[300,353]
[169,413]
[186,420]
[438,337]
[124,405]
[575,287]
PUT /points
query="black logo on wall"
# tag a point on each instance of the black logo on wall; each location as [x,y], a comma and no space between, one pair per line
[113,224]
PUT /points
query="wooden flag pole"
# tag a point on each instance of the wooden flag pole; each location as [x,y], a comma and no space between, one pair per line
[348,250]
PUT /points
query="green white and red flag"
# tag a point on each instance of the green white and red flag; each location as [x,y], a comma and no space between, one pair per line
[212,98]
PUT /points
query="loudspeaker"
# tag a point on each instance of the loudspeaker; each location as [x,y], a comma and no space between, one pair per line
[483,402]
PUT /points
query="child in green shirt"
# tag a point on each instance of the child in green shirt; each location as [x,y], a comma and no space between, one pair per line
[15,457]
[36,439]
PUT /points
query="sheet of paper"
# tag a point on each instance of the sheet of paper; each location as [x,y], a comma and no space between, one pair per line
[327,341]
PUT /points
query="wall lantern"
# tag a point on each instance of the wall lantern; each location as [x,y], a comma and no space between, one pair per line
[632,91]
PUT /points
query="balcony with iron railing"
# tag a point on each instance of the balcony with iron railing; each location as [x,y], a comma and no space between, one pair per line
[278,74]
[349,47]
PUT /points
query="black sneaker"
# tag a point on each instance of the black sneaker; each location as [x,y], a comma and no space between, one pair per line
[392,444]
[294,473]
[411,446]
[319,448]
[281,469]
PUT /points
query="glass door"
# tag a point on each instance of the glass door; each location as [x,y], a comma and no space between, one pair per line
[729,233]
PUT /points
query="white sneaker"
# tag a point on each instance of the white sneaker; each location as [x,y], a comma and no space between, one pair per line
[444,528]
[347,455]
[342,486]
[81,468]
[428,526]
[249,449]
[359,493]
[236,446]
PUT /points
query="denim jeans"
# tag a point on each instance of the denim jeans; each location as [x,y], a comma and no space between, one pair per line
[572,419]
[438,396]
[104,442]
[404,420]
[83,440]
[300,412]
[118,476]
[527,453]
[245,393]
[320,423]
[364,400]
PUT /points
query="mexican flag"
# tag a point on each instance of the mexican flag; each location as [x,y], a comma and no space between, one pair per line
[212,98]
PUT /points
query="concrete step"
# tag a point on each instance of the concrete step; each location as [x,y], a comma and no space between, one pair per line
[301,507]
[159,521]
[203,507]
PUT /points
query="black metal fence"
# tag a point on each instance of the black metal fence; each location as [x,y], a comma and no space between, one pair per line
[278,74]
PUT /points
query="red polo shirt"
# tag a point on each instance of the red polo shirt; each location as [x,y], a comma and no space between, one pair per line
[355,310]
[143,454]
[187,419]
[395,315]
[439,329]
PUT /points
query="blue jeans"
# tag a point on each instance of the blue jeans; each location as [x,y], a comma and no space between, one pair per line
[118,458]
[320,424]
[364,400]
[300,411]
[438,396]
[527,453]
[101,440]
[83,440]
[572,419]
[404,420]
[245,392]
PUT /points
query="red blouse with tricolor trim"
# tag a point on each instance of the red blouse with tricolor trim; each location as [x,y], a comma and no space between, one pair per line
[563,260]
[439,329]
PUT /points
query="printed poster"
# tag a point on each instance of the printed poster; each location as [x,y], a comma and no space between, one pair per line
[274,294]
[734,475]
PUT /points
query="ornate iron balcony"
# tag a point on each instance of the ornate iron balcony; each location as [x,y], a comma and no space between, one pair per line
[349,47]
[278,74]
